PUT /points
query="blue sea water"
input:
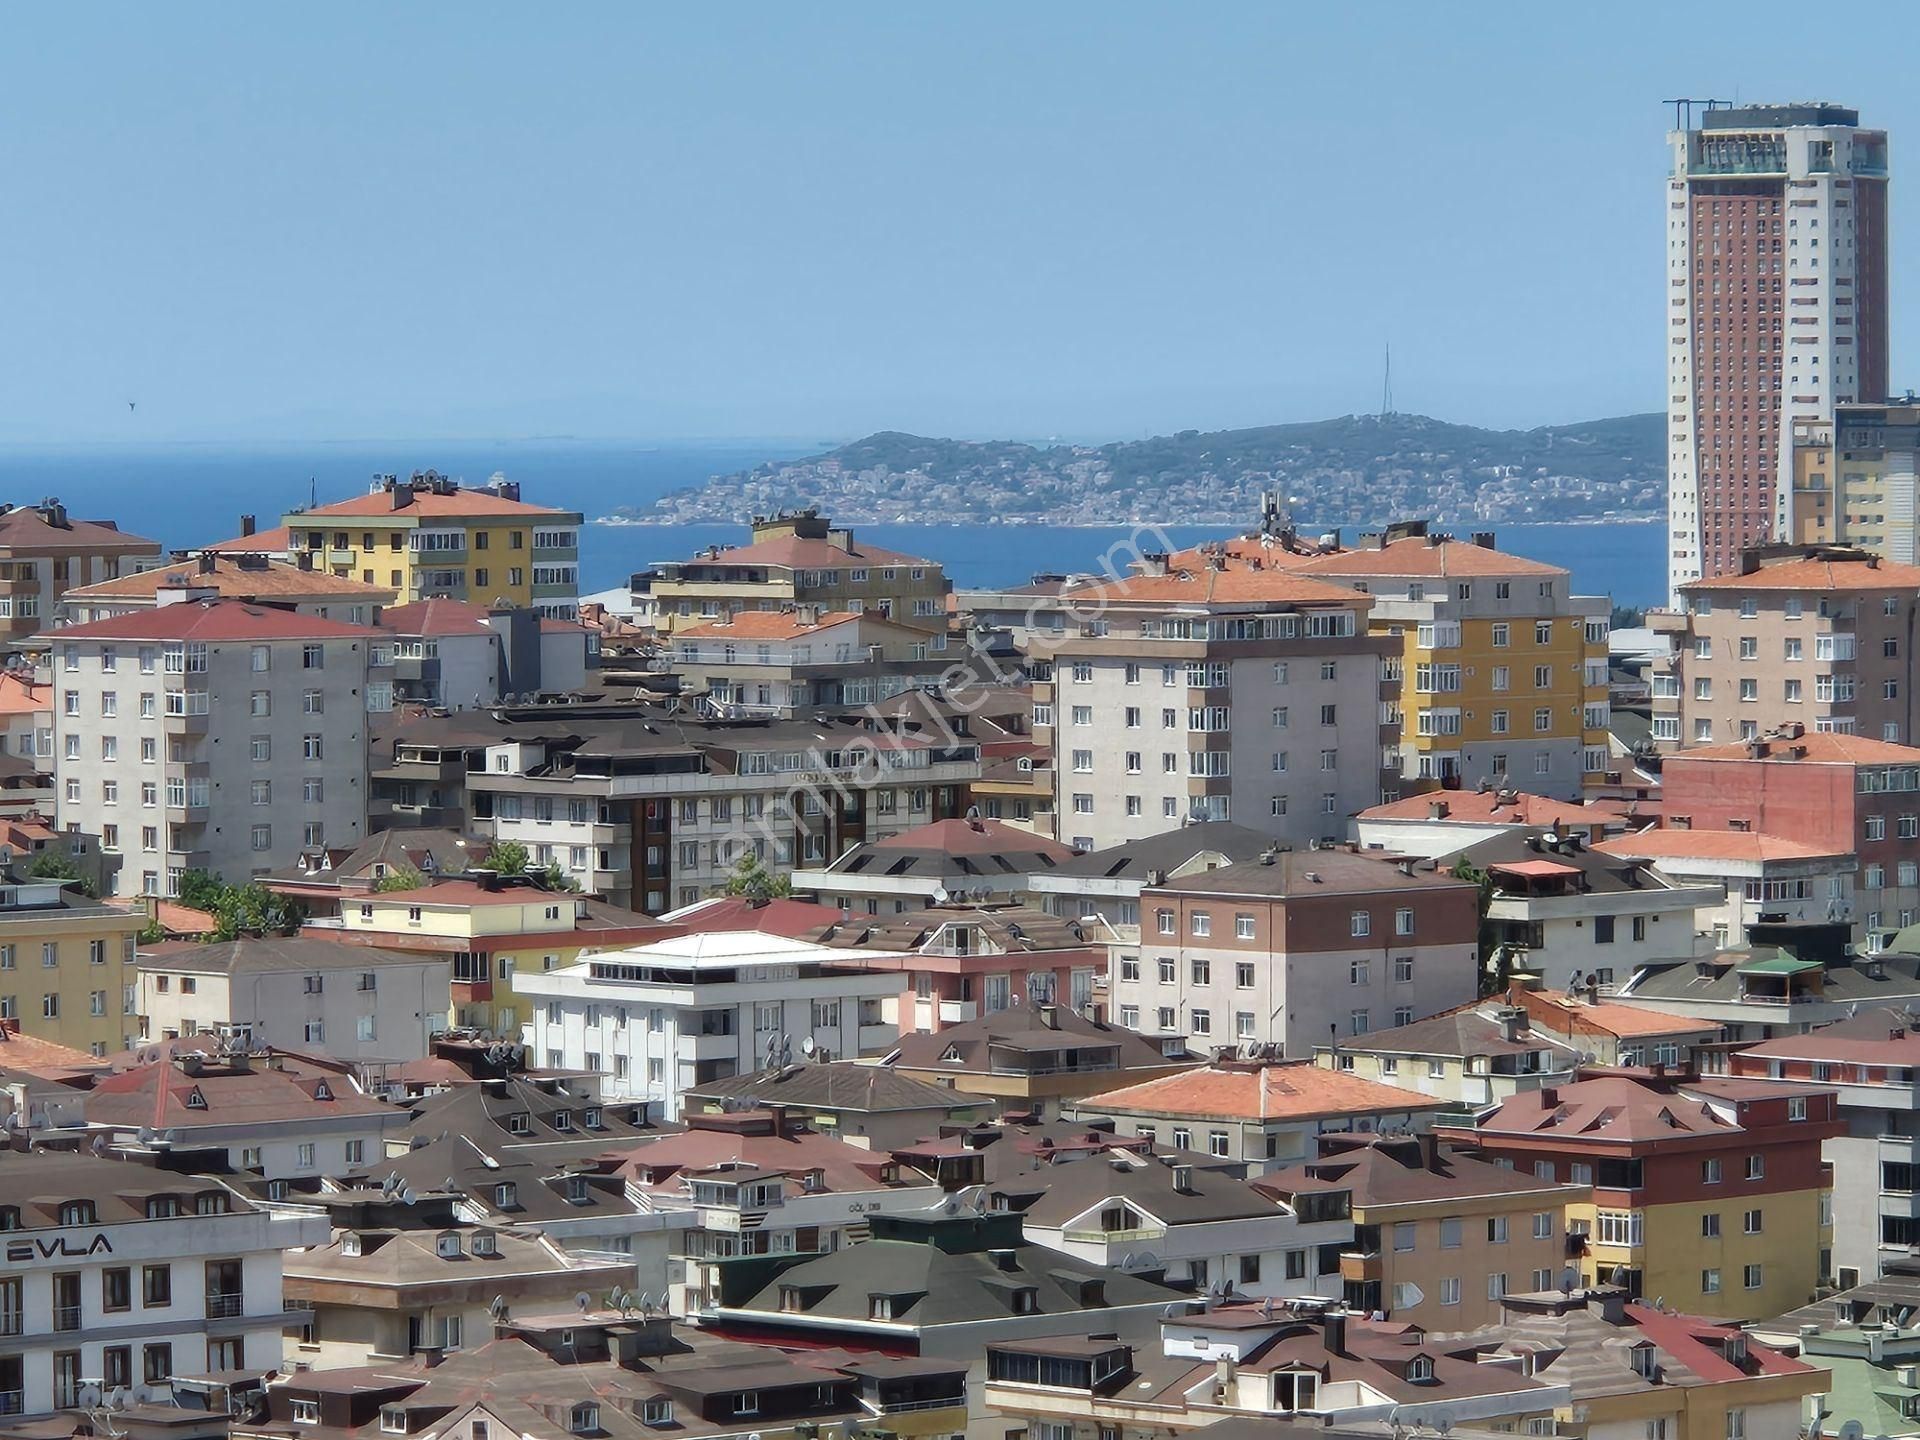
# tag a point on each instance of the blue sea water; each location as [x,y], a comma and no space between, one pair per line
[186,495]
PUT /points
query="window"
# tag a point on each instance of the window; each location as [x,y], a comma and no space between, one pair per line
[1709,1282]
[1710,1172]
[156,1286]
[1756,1167]
[1450,1290]
[1360,922]
[1750,1277]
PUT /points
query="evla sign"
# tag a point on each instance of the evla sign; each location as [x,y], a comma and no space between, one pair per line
[61,1247]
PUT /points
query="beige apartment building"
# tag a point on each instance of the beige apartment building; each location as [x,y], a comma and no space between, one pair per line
[795,559]
[1215,691]
[1854,479]
[1821,636]
[258,579]
[214,735]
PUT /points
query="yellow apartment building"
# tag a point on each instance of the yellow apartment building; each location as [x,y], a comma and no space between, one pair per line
[66,967]
[490,930]
[1502,670]
[427,536]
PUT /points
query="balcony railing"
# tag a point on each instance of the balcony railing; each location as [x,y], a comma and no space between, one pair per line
[226,1305]
[901,1407]
[11,1322]
[1097,1235]
[66,1317]
[13,1402]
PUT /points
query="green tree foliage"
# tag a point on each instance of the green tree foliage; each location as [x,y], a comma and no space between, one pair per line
[237,910]
[404,877]
[554,878]
[200,890]
[1496,971]
[48,865]
[752,879]
[506,857]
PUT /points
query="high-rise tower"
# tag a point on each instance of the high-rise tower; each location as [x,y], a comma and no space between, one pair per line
[1777,304]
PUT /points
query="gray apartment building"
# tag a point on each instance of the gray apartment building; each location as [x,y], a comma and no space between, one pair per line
[214,735]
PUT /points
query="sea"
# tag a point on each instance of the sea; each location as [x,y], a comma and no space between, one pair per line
[185,495]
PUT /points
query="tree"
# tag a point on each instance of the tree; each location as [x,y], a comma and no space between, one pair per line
[252,909]
[200,890]
[403,877]
[505,857]
[752,879]
[554,878]
[48,865]
[1495,968]
[151,933]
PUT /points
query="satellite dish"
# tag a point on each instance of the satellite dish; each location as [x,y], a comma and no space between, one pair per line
[584,1301]
[1852,1430]
[646,1303]
[407,1197]
[1443,1422]
[99,1146]
[808,1046]
[497,1308]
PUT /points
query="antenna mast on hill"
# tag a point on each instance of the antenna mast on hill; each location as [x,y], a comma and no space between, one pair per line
[1386,385]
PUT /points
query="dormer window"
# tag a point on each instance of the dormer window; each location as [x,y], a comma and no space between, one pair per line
[656,1410]
[1644,1360]
[78,1212]
[585,1419]
[1420,1369]
[506,1195]
[393,1420]
[791,1299]
[591,1117]
[322,1090]
[196,1100]
[746,1402]
[9,1217]
[162,1207]
[350,1244]
[578,1191]
[519,1123]
[1295,1389]
[305,1412]
[563,1120]
[212,1202]
[880,1307]
[1026,1300]
[447,1247]
[485,1243]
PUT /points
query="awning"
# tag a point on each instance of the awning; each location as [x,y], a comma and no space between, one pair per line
[1779,965]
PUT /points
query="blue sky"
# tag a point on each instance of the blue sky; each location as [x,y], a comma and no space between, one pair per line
[340,221]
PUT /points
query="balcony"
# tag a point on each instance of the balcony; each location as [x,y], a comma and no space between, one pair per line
[340,557]
[11,1322]
[1094,1235]
[13,1402]
[555,592]
[66,1317]
[226,1305]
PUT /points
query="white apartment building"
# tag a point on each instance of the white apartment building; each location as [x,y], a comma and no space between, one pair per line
[119,1277]
[658,1019]
[1239,693]
[214,735]
[292,993]
[1777,303]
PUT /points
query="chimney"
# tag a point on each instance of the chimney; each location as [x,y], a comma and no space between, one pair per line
[1153,563]
[1004,1260]
[402,493]
[1333,1331]
[1549,1095]
[1438,809]
[1483,539]
[1050,1016]
[192,1063]
[1429,1149]
[246,525]
[304,559]
[206,562]
[841,540]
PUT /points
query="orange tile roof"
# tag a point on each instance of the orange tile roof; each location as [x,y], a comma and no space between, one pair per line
[426,504]
[1607,1017]
[20,1051]
[20,696]
[437,615]
[261,542]
[1205,585]
[1818,575]
[278,580]
[1747,845]
[1295,1090]
[1416,556]
[1819,747]
[771,624]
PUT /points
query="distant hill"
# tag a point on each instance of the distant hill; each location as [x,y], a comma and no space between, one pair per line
[1330,472]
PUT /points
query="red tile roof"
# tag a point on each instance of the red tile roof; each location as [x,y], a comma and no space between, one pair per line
[1875,1037]
[1203,585]
[1814,748]
[437,616]
[427,505]
[1488,807]
[24,527]
[1701,1346]
[272,541]
[277,580]
[159,1095]
[211,620]
[34,1055]
[1745,845]
[795,919]
[664,1164]
[20,696]
[1295,1090]
[1819,575]
[1417,556]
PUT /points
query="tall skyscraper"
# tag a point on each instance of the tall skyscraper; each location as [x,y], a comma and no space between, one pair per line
[1777,300]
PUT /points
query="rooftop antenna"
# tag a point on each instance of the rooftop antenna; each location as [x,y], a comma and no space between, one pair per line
[1386,385]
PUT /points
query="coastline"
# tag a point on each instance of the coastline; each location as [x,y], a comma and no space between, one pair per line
[628,522]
